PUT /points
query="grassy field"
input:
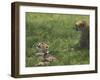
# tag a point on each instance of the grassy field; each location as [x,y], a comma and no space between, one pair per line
[58,31]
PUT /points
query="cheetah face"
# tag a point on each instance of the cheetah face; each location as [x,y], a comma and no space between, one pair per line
[80,25]
[42,47]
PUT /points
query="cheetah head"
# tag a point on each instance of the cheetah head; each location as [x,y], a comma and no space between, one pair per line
[80,25]
[42,47]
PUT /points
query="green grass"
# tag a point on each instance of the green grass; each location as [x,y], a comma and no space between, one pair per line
[56,30]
